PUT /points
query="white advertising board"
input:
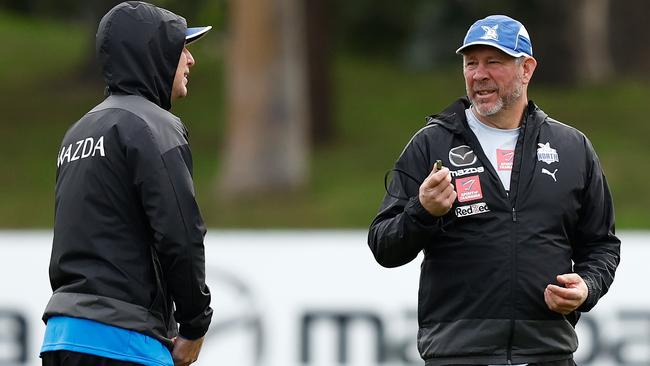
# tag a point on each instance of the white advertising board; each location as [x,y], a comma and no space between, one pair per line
[316,298]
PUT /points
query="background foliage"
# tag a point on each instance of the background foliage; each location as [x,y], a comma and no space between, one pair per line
[391,66]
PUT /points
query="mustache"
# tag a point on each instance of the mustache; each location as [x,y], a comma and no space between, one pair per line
[484,86]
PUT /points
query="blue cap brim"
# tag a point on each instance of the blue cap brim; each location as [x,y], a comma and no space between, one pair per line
[194,33]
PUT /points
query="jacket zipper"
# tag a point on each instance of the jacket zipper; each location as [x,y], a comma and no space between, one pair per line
[513,270]
[476,146]
[513,276]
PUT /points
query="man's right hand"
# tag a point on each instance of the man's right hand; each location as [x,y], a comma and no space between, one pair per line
[437,194]
[186,351]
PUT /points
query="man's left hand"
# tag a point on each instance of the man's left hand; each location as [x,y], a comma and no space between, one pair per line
[565,300]
[186,351]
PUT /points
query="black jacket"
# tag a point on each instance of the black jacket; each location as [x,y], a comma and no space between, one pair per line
[487,262]
[128,235]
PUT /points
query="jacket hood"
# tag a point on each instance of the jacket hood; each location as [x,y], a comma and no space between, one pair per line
[138,47]
[449,118]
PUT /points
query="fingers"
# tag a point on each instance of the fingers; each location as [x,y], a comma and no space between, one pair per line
[569,279]
[437,177]
[448,196]
[552,303]
[437,194]
[566,299]
[563,292]
[186,351]
[559,304]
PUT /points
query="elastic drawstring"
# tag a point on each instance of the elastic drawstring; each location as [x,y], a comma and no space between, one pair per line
[406,174]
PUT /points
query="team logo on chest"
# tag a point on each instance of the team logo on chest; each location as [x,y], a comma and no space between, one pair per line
[547,154]
[462,155]
[469,188]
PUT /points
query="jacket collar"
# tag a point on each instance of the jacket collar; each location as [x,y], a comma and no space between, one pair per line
[453,117]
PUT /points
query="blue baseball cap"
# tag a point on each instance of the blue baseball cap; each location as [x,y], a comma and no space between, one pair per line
[502,32]
[194,33]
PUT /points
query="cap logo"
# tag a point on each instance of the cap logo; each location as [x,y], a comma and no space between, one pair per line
[490,32]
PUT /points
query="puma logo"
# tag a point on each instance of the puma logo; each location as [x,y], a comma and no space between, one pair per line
[549,173]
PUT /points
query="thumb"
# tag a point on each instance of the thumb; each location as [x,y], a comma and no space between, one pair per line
[568,279]
[434,170]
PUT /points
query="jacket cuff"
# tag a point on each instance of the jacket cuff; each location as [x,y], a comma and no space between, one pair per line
[197,327]
[420,215]
[592,296]
[191,333]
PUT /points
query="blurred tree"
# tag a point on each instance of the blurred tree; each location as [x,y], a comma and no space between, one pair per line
[20,6]
[267,146]
[553,31]
[629,29]
[594,62]
[319,50]
[372,27]
[570,39]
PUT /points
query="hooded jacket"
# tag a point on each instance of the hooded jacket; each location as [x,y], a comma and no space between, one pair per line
[128,235]
[488,260]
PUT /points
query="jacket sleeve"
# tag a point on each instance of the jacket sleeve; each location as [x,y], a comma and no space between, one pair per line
[596,252]
[402,227]
[167,195]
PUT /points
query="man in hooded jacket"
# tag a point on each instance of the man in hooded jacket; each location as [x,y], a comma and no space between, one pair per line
[127,267]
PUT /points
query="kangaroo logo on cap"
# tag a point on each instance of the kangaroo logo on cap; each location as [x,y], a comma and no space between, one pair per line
[490,32]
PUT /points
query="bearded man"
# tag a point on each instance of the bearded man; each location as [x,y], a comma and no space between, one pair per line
[517,227]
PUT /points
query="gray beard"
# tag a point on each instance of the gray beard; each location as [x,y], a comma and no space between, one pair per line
[502,102]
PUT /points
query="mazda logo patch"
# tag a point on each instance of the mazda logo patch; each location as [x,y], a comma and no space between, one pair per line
[462,156]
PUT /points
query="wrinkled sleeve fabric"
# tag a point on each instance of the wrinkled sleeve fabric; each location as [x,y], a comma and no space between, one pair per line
[596,252]
[402,227]
[162,165]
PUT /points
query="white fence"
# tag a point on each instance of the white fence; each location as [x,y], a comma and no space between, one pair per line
[316,298]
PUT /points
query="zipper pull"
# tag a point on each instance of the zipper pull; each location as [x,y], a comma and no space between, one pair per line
[514,215]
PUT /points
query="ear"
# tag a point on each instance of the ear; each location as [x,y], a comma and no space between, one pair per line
[528,66]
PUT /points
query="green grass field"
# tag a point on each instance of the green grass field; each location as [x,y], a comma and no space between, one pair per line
[378,106]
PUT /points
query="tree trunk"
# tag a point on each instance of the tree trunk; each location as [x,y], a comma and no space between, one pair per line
[319,52]
[592,40]
[629,26]
[267,146]
[552,30]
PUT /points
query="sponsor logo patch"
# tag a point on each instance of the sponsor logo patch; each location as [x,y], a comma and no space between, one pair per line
[469,188]
[462,155]
[461,172]
[547,154]
[473,209]
[505,159]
